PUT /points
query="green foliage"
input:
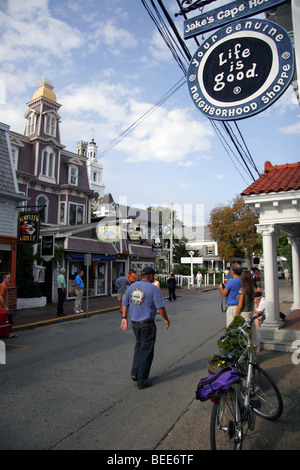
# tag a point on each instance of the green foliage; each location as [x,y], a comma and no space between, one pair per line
[24,277]
[284,248]
[234,228]
[58,254]
[231,343]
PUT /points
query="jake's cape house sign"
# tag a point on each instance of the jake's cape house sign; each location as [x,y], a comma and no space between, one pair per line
[241,69]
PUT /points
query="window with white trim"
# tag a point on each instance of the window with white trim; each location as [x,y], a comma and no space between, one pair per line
[76,214]
[50,125]
[48,162]
[42,203]
[31,122]
[15,156]
[74,175]
[62,213]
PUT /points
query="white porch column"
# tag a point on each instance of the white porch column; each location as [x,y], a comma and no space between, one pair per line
[268,233]
[295,242]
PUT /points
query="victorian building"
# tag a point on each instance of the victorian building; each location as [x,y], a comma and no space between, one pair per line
[61,185]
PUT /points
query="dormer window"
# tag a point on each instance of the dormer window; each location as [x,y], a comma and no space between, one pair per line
[50,125]
[74,175]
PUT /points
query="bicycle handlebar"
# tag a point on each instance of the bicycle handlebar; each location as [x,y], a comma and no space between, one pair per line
[241,328]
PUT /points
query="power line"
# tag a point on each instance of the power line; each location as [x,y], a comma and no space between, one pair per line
[165,32]
[133,126]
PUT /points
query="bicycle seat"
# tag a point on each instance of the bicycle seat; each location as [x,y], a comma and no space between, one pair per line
[231,356]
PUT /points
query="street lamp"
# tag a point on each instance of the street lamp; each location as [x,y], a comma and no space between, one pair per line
[191,253]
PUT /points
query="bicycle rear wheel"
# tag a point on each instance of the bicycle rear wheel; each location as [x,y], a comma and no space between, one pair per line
[226,431]
[264,391]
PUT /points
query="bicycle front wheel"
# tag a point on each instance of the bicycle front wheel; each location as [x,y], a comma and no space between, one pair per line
[226,431]
[265,396]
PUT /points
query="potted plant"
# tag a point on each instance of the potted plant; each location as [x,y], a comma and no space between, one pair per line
[229,344]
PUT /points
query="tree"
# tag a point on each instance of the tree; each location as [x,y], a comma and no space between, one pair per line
[284,249]
[233,227]
[164,214]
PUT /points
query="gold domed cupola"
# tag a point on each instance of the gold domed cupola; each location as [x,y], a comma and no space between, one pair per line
[45,90]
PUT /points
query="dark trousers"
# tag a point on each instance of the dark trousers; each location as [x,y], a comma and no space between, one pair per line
[61,300]
[145,335]
[172,294]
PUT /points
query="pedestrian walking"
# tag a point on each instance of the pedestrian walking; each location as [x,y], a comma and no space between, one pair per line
[79,286]
[131,276]
[199,279]
[142,301]
[156,281]
[61,292]
[172,287]
[122,283]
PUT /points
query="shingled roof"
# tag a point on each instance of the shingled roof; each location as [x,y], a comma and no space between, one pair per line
[276,178]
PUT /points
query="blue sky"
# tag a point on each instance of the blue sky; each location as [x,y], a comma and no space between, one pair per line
[109,66]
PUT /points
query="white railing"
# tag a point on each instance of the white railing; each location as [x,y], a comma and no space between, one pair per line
[209,279]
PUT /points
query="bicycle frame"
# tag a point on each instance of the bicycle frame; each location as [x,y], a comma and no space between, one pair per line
[243,400]
[236,407]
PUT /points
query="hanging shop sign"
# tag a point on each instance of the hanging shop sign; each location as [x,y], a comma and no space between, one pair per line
[241,69]
[108,233]
[226,14]
[47,247]
[157,244]
[134,232]
[28,227]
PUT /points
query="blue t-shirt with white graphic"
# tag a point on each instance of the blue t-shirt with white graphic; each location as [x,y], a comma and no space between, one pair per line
[143,299]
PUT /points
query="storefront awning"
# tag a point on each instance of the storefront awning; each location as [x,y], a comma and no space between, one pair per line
[95,257]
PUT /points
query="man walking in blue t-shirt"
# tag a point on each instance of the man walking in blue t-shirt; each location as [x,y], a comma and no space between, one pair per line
[78,292]
[143,300]
[231,291]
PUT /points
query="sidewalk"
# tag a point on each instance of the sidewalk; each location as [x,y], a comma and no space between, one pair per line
[32,318]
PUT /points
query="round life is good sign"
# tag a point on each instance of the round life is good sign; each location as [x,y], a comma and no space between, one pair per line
[241,69]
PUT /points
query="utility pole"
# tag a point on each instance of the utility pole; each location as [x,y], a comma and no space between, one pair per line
[171,239]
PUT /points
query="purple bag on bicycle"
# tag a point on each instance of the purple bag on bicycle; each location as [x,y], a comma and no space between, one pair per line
[223,380]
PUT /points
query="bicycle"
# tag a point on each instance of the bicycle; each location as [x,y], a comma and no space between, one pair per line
[234,409]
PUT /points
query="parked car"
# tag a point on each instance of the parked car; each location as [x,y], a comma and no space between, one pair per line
[5,326]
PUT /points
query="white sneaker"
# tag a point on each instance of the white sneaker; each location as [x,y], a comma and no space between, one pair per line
[76,311]
[81,311]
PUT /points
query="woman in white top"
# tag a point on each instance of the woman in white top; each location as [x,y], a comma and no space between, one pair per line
[156,281]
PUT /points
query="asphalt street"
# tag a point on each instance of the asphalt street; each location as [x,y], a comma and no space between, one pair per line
[67,386]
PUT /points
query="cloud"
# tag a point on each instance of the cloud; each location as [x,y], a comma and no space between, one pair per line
[109,102]
[115,38]
[39,45]
[220,176]
[170,136]
[167,136]
[293,129]
[158,49]
[188,163]
[29,31]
